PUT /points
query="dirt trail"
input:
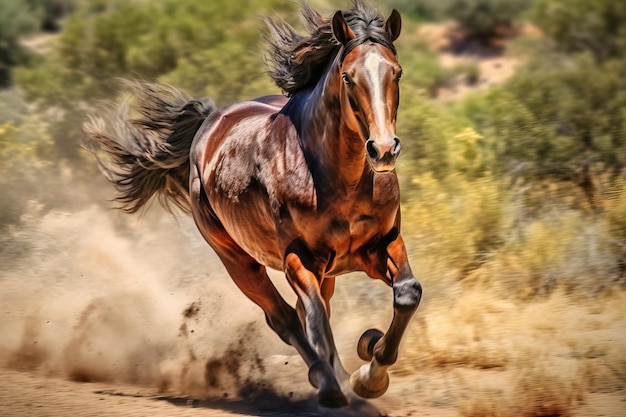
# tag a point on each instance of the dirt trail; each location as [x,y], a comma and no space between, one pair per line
[35,395]
[31,394]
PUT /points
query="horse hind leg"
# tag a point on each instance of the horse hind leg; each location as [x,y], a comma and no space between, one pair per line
[327,290]
[251,278]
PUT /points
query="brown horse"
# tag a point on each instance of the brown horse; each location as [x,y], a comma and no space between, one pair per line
[304,183]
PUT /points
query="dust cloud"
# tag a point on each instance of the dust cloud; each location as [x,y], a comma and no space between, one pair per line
[94,296]
[98,295]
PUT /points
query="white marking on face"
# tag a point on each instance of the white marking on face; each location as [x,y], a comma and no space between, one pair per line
[373,65]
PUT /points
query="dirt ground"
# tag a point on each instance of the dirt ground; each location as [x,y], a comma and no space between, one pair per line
[28,394]
[31,394]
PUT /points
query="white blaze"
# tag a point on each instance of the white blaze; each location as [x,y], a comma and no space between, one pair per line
[373,66]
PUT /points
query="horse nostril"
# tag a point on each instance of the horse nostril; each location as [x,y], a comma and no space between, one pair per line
[397,147]
[372,150]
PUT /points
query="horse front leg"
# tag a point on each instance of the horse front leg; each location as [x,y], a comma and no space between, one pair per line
[372,380]
[312,308]
[327,289]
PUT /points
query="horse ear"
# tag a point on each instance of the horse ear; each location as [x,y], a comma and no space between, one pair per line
[393,25]
[341,30]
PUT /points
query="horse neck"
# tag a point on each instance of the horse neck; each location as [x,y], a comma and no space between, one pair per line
[338,151]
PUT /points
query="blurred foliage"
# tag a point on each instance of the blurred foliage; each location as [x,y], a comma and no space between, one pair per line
[484,19]
[456,223]
[597,26]
[480,19]
[421,66]
[50,12]
[424,10]
[19,19]
[433,134]
[16,20]
[542,149]
[24,145]
[204,72]
[574,121]
[108,40]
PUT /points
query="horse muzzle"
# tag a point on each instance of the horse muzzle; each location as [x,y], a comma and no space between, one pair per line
[382,155]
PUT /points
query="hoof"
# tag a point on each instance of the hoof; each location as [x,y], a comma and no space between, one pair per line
[332,399]
[364,387]
[321,376]
[367,341]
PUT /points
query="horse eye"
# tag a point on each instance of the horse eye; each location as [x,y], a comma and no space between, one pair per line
[346,79]
[398,76]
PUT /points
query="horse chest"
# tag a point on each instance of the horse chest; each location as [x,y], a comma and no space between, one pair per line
[346,236]
[344,242]
[345,227]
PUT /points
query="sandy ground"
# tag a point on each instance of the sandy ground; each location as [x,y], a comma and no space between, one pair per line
[28,394]
[31,394]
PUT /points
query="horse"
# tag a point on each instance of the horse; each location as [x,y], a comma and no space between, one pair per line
[303,182]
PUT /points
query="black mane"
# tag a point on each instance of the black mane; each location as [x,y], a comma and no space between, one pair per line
[296,62]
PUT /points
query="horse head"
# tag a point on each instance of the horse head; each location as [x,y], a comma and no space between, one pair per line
[369,91]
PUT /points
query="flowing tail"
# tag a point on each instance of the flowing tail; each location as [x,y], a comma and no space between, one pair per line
[149,154]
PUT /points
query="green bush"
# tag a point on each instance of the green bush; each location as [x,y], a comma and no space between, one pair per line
[108,40]
[595,26]
[484,19]
[438,141]
[554,120]
[16,20]
[227,73]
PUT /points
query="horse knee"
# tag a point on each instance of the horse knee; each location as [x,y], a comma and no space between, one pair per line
[407,294]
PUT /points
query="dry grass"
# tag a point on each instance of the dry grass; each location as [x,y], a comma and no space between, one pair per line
[479,231]
[535,393]
[461,333]
[523,358]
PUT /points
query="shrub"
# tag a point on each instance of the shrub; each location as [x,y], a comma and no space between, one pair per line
[437,142]
[594,26]
[485,19]
[455,225]
[16,20]
[107,40]
[563,122]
